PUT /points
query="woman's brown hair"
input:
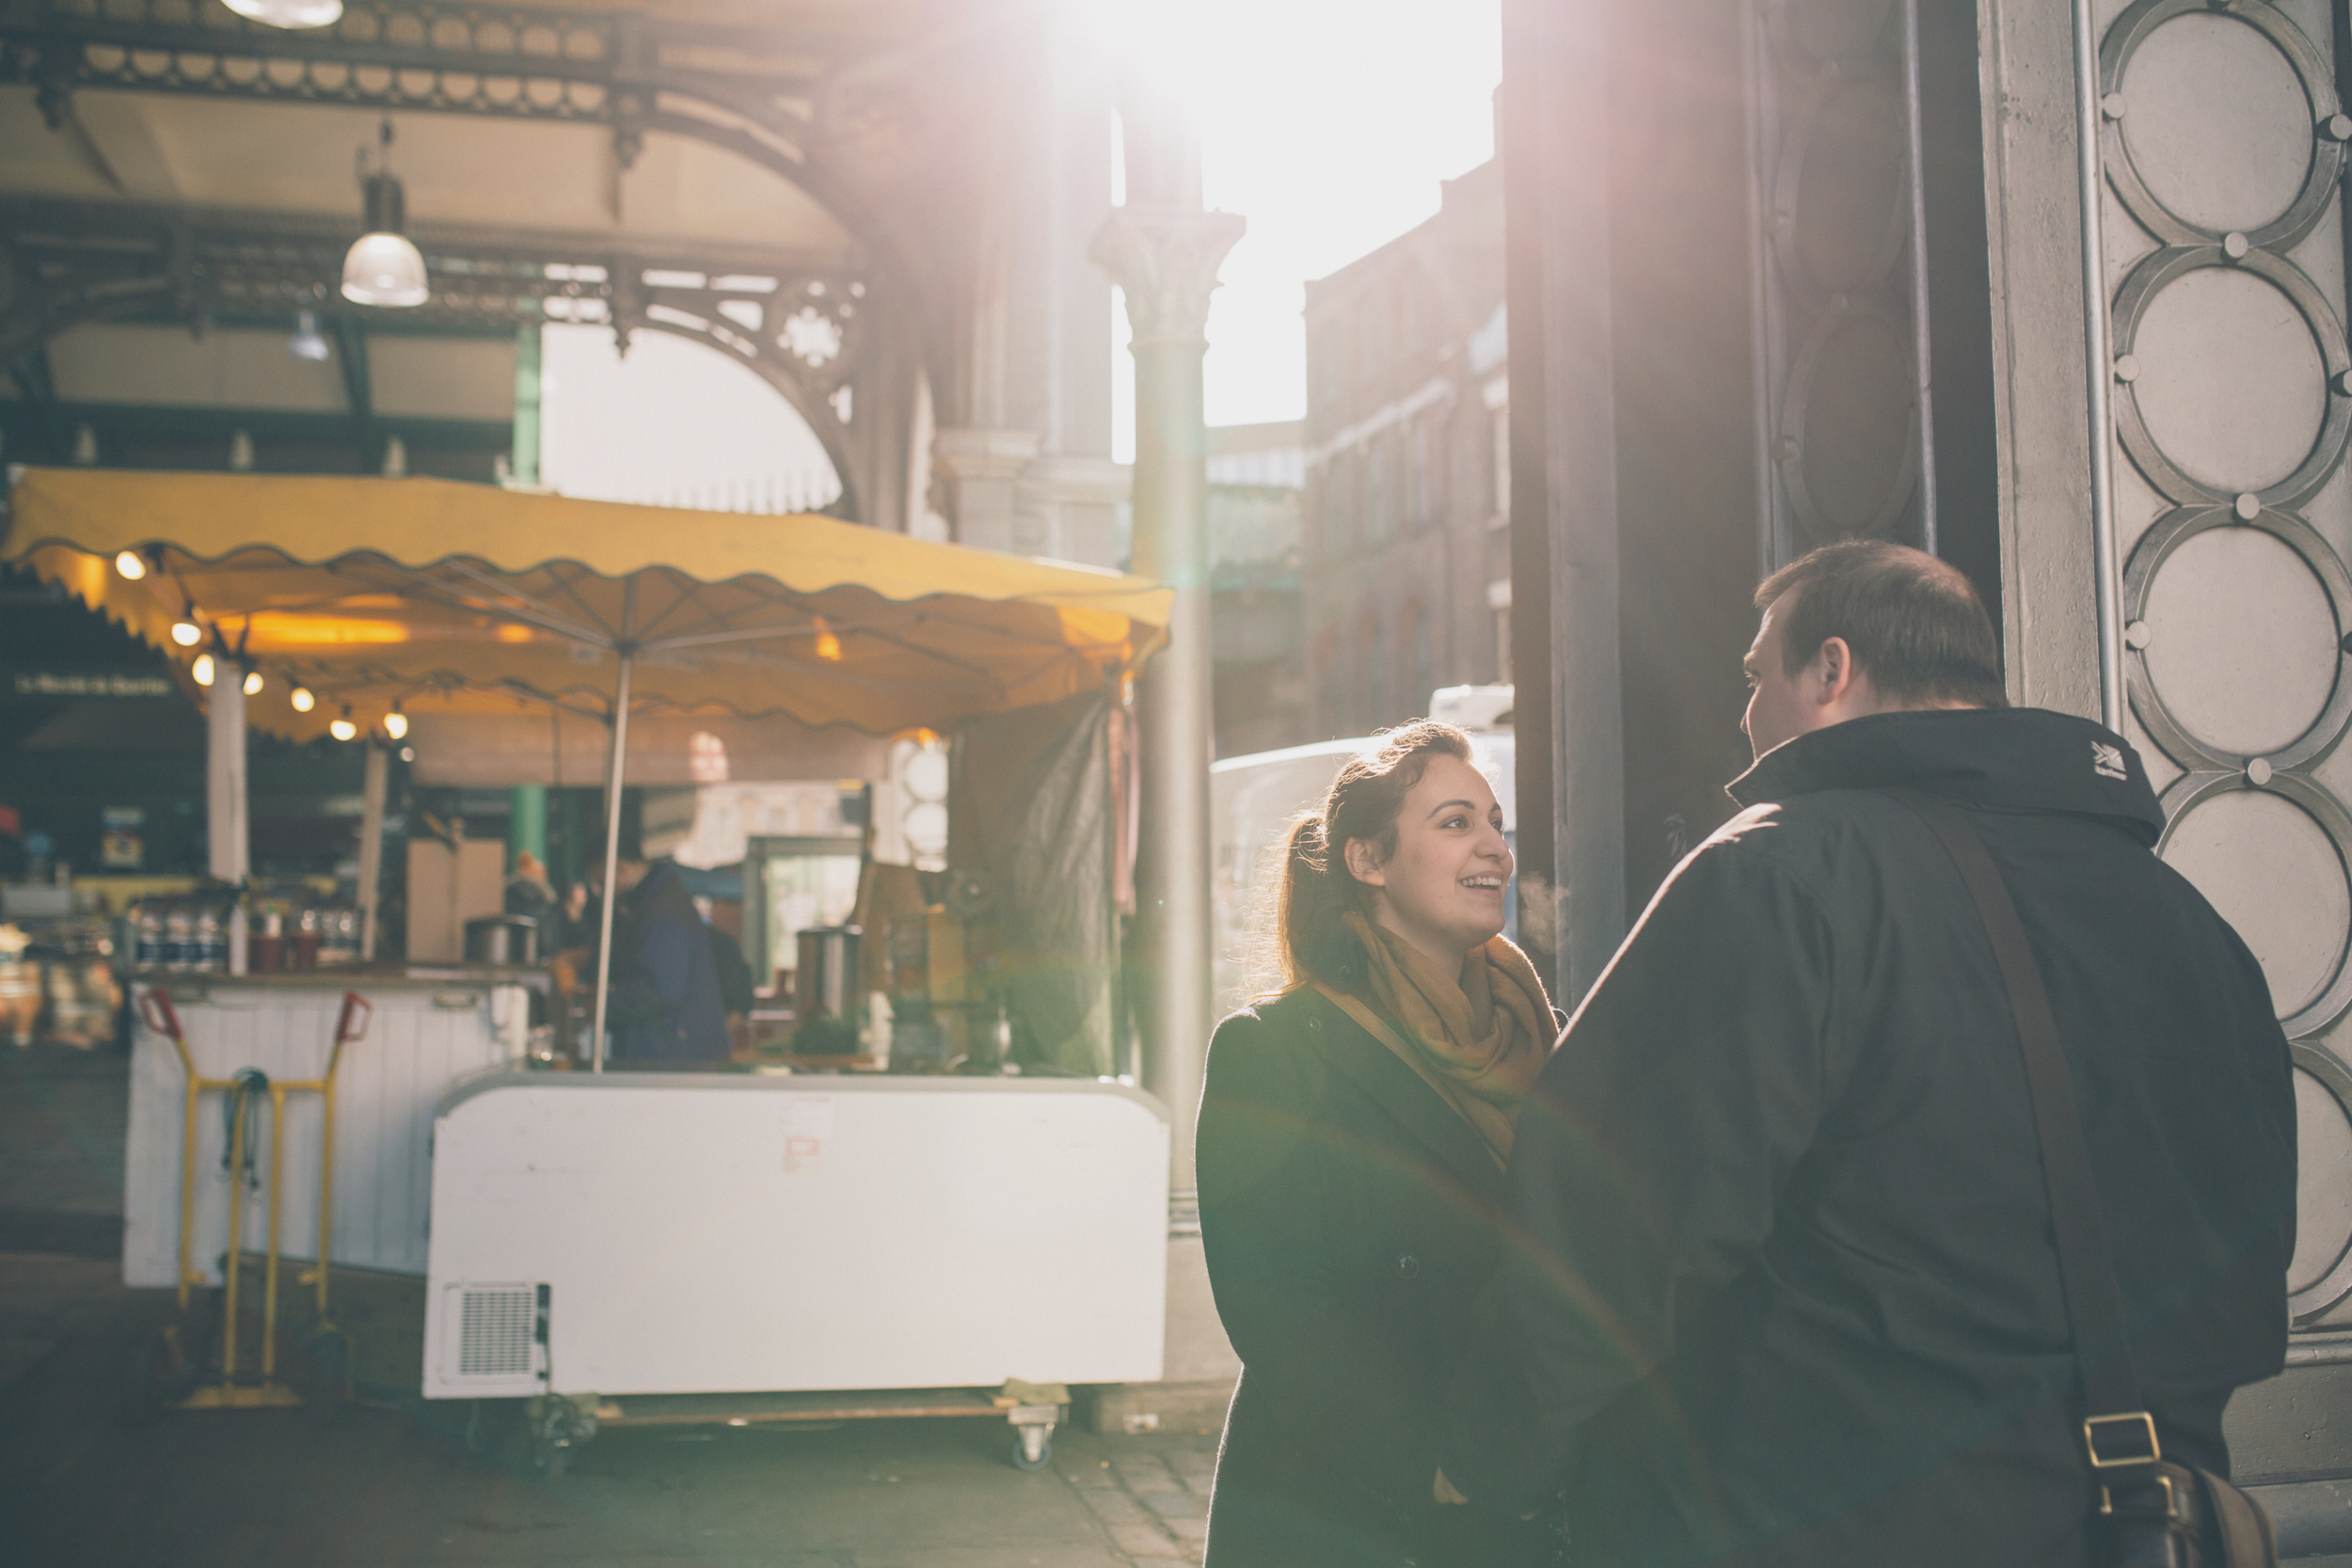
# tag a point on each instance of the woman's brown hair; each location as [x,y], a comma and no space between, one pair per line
[1315,887]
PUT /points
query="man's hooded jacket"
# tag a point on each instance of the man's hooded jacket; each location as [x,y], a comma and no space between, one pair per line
[1786,1290]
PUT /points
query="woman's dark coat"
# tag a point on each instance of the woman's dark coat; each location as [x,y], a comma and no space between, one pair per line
[1350,1217]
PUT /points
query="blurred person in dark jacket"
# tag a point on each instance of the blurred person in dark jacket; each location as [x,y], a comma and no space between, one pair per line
[1351,1150]
[1787,1292]
[666,1009]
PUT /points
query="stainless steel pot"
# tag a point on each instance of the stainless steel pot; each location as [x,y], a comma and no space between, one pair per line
[824,982]
[511,941]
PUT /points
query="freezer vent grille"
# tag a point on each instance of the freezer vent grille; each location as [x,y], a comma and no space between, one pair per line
[494,1331]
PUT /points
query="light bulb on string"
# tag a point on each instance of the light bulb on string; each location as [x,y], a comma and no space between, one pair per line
[130,565]
[302,699]
[828,644]
[187,632]
[396,724]
[343,729]
[201,670]
[253,683]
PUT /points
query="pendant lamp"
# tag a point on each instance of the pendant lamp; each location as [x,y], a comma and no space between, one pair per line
[308,342]
[288,13]
[382,267]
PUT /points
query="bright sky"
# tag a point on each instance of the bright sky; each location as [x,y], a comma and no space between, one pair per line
[674,424]
[1326,123]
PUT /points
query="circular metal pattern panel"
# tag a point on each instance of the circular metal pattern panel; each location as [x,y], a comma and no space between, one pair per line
[2231,871]
[2321,1274]
[2268,867]
[2135,302]
[1850,442]
[2216,123]
[2231,387]
[2199,182]
[1841,195]
[2224,136]
[2164,539]
[2239,636]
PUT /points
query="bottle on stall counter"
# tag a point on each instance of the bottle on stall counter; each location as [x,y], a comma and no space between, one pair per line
[179,937]
[212,941]
[343,937]
[147,936]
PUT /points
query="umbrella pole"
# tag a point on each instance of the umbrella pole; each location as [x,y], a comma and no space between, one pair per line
[612,860]
[370,846]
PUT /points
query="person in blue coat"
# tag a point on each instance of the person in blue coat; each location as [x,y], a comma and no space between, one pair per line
[666,1009]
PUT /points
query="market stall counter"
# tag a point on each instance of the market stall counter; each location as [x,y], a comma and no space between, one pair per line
[431,1027]
[681,1247]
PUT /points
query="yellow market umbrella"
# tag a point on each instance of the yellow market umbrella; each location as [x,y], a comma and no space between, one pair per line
[427,595]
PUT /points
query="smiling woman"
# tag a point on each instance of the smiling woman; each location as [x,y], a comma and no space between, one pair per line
[1352,1141]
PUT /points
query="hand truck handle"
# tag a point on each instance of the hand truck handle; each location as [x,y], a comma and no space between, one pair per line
[156,1008]
[354,1003]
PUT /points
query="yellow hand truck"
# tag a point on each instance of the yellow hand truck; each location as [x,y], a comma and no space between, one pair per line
[166,1374]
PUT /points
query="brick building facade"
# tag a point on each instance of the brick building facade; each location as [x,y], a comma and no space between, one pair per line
[1406,551]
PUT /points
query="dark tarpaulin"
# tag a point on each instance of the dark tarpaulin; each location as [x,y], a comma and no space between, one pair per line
[1029,824]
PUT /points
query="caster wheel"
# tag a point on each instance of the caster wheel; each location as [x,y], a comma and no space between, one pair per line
[1032,1448]
[329,1378]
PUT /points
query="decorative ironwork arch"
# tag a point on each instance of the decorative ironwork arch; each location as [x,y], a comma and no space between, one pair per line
[782,100]
[800,325]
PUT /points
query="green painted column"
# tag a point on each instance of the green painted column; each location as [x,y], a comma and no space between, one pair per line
[524,464]
[527,823]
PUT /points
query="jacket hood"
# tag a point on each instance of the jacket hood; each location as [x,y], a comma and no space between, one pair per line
[2008,759]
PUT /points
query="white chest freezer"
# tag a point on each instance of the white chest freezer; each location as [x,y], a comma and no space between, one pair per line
[670,1234]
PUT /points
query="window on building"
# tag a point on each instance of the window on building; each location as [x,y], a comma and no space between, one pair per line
[1417,473]
[1424,647]
[1342,497]
[1326,360]
[1499,600]
[1329,674]
[1500,471]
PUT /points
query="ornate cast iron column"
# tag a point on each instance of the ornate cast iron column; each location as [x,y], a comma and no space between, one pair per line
[1164,250]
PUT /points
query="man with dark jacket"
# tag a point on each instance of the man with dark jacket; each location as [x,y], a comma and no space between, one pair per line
[667,1011]
[1786,1292]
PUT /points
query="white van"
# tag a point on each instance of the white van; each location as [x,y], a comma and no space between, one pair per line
[1252,799]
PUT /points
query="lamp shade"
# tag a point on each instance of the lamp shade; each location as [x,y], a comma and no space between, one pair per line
[288,13]
[306,343]
[385,269]
[382,267]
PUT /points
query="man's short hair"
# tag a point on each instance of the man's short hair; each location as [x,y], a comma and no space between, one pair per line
[1913,622]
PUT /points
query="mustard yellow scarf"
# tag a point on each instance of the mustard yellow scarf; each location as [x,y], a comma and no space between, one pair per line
[1477,1037]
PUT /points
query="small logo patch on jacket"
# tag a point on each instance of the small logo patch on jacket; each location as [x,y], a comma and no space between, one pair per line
[2108,761]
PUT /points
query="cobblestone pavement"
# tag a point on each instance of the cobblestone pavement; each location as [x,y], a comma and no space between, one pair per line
[389,1483]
